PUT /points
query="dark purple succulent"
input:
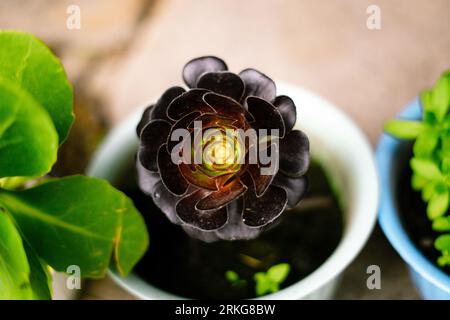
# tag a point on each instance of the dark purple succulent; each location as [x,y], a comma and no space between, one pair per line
[221,198]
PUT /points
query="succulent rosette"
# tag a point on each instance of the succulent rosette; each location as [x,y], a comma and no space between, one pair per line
[224,195]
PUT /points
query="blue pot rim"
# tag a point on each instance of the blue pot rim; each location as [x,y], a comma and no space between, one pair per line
[388,215]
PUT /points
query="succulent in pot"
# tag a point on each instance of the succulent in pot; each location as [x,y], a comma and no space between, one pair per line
[239,163]
[224,159]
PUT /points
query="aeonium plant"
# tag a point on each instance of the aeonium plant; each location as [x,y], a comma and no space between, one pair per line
[431,158]
[51,223]
[221,158]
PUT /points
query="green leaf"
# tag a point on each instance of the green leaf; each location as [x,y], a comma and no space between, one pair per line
[442,243]
[231,276]
[438,205]
[446,165]
[28,140]
[444,260]
[40,277]
[403,129]
[425,101]
[79,221]
[263,284]
[418,182]
[14,268]
[426,168]
[279,272]
[31,65]
[441,224]
[426,142]
[440,96]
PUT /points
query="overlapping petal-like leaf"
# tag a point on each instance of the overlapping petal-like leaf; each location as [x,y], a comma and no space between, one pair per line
[229,199]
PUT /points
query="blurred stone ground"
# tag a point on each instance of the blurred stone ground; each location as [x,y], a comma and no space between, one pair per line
[128,51]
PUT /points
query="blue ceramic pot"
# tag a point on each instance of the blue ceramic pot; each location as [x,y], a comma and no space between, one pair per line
[392,156]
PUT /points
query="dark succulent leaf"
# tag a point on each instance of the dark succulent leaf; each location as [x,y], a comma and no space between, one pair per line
[265,114]
[161,106]
[235,229]
[224,105]
[202,235]
[166,201]
[145,119]
[205,220]
[146,179]
[197,177]
[182,123]
[210,120]
[188,102]
[224,83]
[295,187]
[260,182]
[198,66]
[153,136]
[170,174]
[287,109]
[220,198]
[294,154]
[258,84]
[265,209]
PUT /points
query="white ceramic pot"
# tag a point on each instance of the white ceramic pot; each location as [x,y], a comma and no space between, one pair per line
[336,142]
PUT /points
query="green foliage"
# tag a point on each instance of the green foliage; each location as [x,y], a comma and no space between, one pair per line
[28,63]
[23,152]
[431,158]
[270,281]
[233,278]
[59,222]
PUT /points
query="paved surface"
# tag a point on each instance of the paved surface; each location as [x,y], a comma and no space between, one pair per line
[129,51]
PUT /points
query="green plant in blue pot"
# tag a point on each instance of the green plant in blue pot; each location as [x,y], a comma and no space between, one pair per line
[423,187]
[46,224]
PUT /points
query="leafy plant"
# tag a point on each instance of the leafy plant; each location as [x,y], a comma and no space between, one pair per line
[431,160]
[51,223]
[270,281]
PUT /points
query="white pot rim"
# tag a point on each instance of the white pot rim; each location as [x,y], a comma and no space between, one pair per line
[362,210]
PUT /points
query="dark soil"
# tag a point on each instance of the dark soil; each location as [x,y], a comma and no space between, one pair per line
[304,237]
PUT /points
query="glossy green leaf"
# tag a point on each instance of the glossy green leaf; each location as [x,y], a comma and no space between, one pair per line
[31,65]
[79,221]
[438,205]
[28,139]
[403,129]
[40,277]
[14,268]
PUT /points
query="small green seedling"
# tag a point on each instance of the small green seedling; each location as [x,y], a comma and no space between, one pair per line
[431,158]
[270,281]
[233,278]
